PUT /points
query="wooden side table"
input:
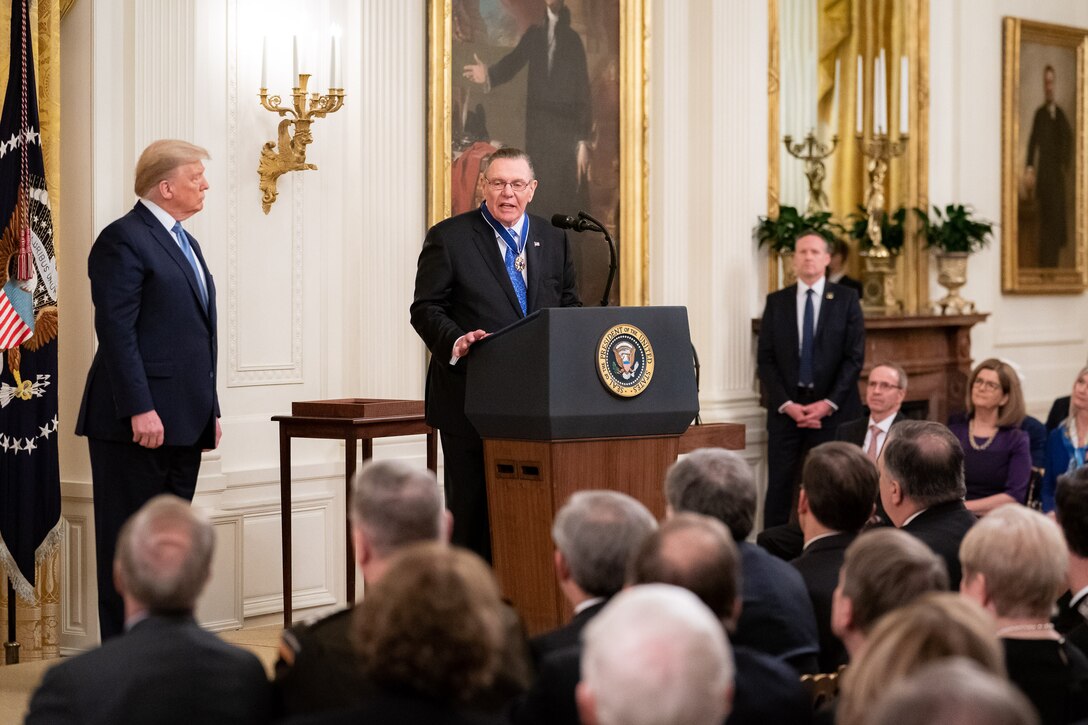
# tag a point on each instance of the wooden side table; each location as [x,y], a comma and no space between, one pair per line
[350,420]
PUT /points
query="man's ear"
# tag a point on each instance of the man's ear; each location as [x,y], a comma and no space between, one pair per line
[896,492]
[118,579]
[562,570]
[802,501]
[363,552]
[587,705]
[447,525]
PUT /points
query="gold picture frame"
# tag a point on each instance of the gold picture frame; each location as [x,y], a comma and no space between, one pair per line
[444,76]
[1044,234]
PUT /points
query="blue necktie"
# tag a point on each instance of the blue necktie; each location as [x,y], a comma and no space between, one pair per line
[515,276]
[187,250]
[805,376]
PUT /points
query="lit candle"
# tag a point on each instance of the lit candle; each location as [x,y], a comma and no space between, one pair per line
[880,95]
[264,62]
[294,67]
[835,101]
[332,62]
[860,81]
[904,96]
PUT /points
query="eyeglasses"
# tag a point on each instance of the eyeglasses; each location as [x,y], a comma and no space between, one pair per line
[518,186]
[988,385]
[881,385]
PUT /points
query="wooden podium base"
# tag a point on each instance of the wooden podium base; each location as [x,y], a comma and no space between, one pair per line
[528,482]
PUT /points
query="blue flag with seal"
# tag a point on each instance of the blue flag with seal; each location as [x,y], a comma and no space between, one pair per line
[29,468]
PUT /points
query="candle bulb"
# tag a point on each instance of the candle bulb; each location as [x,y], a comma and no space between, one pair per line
[904,96]
[835,102]
[337,71]
[860,81]
[264,62]
[880,95]
[294,66]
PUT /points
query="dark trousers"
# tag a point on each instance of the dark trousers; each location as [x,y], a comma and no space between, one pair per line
[126,476]
[466,492]
[787,446]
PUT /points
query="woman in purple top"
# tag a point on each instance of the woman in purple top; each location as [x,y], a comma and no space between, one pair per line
[997,454]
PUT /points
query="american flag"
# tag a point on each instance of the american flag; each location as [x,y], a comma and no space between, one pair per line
[15,323]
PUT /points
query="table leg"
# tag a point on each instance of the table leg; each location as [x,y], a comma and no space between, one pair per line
[349,475]
[285,521]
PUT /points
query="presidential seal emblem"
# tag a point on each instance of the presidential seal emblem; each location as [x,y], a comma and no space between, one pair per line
[625,360]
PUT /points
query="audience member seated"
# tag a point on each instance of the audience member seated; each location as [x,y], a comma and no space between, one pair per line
[393,505]
[595,534]
[1059,411]
[164,669]
[997,454]
[884,395]
[953,691]
[1072,514]
[933,627]
[431,641]
[882,570]
[1014,565]
[922,489]
[838,487]
[698,553]
[1068,442]
[776,617]
[655,655]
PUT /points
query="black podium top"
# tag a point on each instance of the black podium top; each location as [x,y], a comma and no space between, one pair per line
[541,378]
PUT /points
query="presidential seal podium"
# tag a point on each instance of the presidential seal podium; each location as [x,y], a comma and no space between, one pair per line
[570,399]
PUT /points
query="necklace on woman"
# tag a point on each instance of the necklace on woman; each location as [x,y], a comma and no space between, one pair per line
[979,446]
[1037,627]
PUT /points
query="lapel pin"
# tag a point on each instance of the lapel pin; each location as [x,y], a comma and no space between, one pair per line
[829,296]
[536,244]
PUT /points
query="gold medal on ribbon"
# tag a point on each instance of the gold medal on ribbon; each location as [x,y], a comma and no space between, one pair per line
[519,262]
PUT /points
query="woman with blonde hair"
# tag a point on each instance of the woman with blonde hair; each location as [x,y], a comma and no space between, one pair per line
[1068,443]
[997,453]
[933,627]
[1014,565]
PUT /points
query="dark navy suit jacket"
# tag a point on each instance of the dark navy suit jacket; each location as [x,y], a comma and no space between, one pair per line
[837,358]
[156,341]
[462,285]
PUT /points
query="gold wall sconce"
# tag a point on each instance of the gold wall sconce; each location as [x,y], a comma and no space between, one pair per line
[288,151]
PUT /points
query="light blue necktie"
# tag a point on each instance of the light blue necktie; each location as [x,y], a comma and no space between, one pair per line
[515,276]
[187,250]
[805,374]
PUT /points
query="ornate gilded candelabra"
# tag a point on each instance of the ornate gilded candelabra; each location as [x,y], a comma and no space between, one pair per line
[813,152]
[879,292]
[288,153]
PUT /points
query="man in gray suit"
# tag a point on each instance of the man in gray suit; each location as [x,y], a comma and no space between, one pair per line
[164,669]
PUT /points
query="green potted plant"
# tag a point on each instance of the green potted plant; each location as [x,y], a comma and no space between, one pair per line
[782,232]
[953,234]
[892,229]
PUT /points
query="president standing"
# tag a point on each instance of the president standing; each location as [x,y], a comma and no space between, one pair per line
[150,403]
[477,273]
[810,352]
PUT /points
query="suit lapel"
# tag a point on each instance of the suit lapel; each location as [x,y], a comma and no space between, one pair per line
[488,247]
[534,253]
[828,300]
[791,315]
[170,246]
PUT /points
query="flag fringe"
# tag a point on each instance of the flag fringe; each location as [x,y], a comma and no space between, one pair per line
[23,589]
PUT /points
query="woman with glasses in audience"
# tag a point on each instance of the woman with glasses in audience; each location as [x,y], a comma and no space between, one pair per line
[1068,443]
[997,454]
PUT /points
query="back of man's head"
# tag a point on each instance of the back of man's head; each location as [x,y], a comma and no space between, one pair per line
[840,483]
[1071,509]
[655,655]
[716,483]
[954,691]
[395,505]
[696,553]
[597,532]
[164,554]
[884,569]
[927,461]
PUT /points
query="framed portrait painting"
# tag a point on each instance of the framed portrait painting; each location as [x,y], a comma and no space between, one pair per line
[1044,159]
[565,81]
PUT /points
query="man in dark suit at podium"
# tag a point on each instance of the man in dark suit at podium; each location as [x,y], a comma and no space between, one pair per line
[477,273]
[810,352]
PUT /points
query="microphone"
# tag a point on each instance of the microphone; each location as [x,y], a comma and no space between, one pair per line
[574,223]
[584,222]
